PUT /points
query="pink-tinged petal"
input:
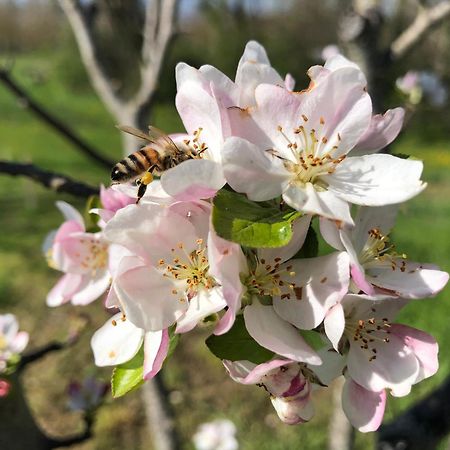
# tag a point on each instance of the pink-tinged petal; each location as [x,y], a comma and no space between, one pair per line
[205,303]
[332,367]
[364,409]
[376,180]
[199,109]
[113,200]
[289,82]
[225,91]
[70,213]
[9,326]
[394,367]
[277,335]
[383,129]
[339,61]
[423,345]
[359,278]
[156,346]
[64,289]
[409,280]
[184,73]
[149,300]
[340,108]
[299,230]
[19,342]
[238,370]
[329,229]
[130,228]
[194,179]
[67,229]
[276,107]
[111,299]
[250,170]
[320,283]
[334,324]
[254,69]
[116,342]
[323,203]
[367,218]
[91,288]
[293,411]
[246,372]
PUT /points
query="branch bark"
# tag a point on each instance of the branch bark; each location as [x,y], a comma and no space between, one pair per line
[157,34]
[59,126]
[425,21]
[54,181]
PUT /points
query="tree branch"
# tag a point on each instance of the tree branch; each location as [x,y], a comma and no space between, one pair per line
[50,119]
[51,180]
[83,36]
[425,21]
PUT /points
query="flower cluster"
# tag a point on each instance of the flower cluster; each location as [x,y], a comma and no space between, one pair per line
[228,239]
[12,342]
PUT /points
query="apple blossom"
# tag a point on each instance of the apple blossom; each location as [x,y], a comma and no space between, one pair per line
[380,354]
[118,341]
[216,435]
[376,267]
[203,99]
[12,341]
[297,148]
[82,256]
[288,383]
[167,280]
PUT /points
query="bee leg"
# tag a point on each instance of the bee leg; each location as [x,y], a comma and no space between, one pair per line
[141,192]
[143,183]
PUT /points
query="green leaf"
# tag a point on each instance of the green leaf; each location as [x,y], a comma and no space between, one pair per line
[401,155]
[313,339]
[251,224]
[237,345]
[91,220]
[310,248]
[128,376]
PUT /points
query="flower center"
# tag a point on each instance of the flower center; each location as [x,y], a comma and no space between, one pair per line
[309,161]
[194,147]
[271,280]
[191,268]
[97,257]
[379,251]
[367,333]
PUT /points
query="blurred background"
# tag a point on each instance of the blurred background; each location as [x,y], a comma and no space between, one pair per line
[39,52]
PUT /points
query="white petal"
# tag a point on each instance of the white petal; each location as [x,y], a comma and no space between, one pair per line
[334,324]
[193,179]
[329,229]
[148,298]
[376,180]
[91,288]
[156,345]
[250,170]
[69,212]
[273,333]
[364,409]
[383,129]
[323,203]
[64,289]
[320,283]
[205,303]
[116,344]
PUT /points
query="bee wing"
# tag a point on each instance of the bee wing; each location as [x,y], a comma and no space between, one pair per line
[135,132]
[158,135]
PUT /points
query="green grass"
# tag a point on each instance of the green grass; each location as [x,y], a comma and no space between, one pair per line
[202,390]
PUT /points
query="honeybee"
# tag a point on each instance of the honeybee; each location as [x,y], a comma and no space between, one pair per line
[159,155]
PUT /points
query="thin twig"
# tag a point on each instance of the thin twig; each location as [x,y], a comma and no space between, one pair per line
[51,180]
[425,20]
[47,117]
